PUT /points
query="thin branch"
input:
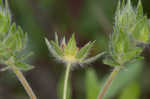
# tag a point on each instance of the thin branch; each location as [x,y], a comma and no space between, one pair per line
[108,82]
[24,82]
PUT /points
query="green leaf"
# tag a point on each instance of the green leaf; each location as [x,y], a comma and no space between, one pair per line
[23,66]
[92,84]
[71,48]
[94,58]
[131,91]
[84,51]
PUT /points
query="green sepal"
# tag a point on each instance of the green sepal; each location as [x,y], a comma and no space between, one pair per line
[141,30]
[56,48]
[84,51]
[92,59]
[110,62]
[71,48]
[51,48]
[24,57]
[3,50]
[23,66]
[132,54]
[8,15]
[139,9]
[56,38]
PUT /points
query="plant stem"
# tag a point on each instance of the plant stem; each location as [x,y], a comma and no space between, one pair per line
[66,81]
[108,82]
[23,82]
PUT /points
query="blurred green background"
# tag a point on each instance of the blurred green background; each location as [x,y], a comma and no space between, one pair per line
[89,20]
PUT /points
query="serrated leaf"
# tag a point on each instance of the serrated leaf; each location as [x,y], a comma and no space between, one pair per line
[94,58]
[23,66]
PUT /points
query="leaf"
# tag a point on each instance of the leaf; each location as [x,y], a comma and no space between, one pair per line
[23,66]
[92,84]
[131,91]
[94,58]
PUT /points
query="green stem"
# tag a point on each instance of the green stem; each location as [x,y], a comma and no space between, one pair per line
[23,82]
[108,82]
[66,80]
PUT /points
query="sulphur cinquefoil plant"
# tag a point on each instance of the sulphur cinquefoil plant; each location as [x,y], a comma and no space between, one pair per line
[70,54]
[130,33]
[12,42]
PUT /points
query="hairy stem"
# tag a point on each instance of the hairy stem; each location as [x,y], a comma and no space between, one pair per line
[66,81]
[108,82]
[23,82]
